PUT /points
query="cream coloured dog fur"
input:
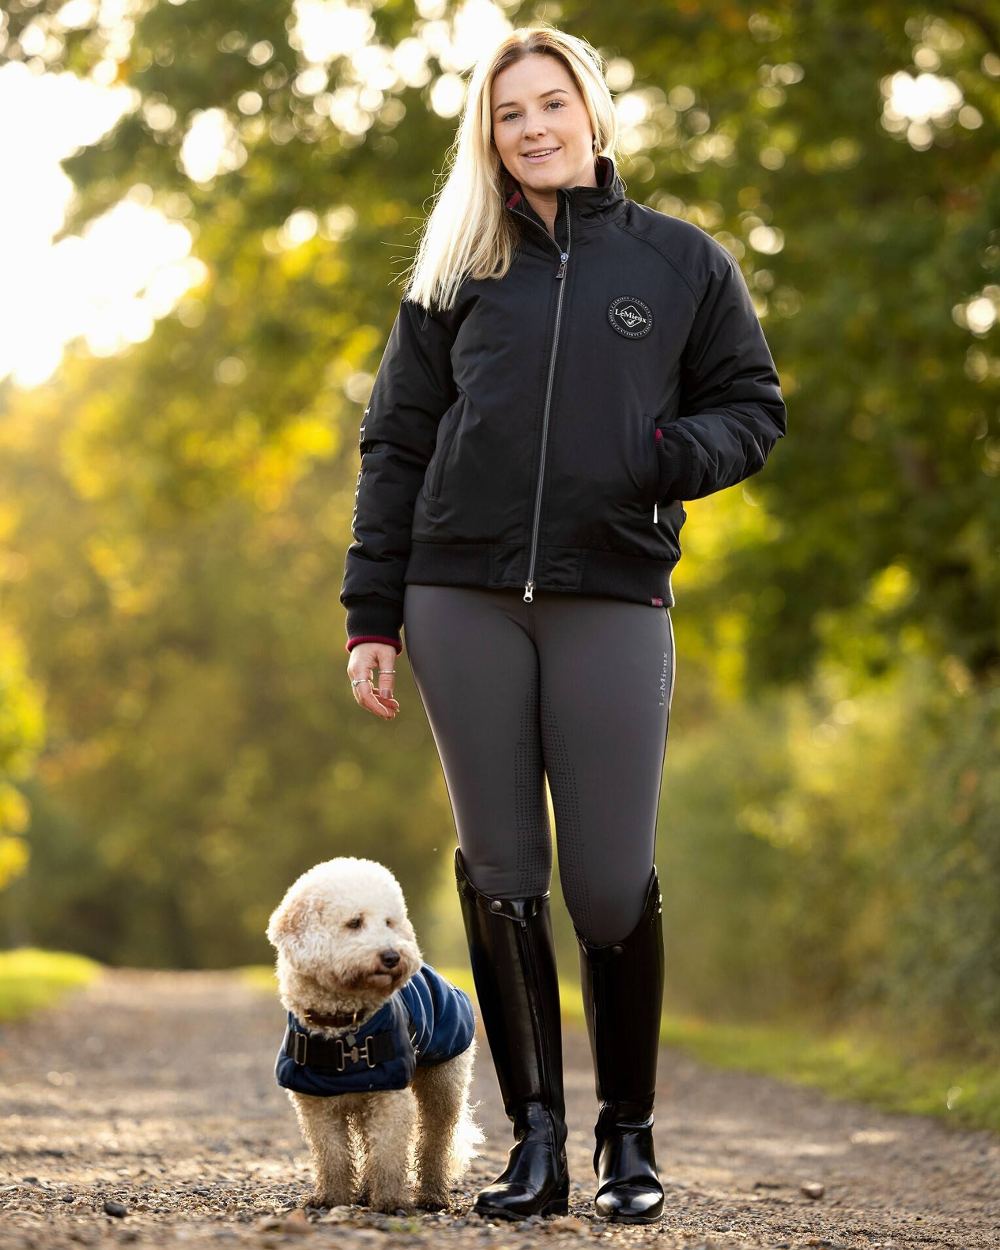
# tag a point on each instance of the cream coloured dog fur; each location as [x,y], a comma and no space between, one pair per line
[390,1149]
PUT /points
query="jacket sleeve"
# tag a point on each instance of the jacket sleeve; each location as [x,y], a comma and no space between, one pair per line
[413,387]
[731,410]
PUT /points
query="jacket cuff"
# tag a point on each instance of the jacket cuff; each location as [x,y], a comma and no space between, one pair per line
[374,620]
[675,464]
[353,642]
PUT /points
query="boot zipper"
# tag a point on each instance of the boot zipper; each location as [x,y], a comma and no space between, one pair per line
[529,586]
[534,995]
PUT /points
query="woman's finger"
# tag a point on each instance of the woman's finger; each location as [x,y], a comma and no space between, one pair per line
[386,681]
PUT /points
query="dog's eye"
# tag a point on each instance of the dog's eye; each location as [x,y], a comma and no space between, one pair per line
[389,923]
[355,922]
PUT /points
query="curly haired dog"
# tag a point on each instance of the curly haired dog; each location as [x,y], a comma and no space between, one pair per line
[378,1049]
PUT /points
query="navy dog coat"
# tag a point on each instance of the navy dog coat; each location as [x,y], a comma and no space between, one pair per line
[426,1021]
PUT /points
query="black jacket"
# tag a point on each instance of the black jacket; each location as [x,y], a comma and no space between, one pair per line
[543,433]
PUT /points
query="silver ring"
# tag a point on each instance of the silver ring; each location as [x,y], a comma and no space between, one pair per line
[389,672]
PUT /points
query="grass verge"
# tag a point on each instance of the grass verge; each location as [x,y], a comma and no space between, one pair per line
[31,978]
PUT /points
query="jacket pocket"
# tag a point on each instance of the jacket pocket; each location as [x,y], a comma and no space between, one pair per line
[651,461]
[446,434]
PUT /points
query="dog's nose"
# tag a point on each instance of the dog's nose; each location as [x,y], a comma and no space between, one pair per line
[390,958]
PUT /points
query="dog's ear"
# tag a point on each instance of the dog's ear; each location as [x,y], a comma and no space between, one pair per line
[288,920]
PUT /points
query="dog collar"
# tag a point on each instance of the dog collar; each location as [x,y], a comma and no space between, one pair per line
[333,1019]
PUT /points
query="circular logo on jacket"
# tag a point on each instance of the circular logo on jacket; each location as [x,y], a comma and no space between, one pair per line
[630,316]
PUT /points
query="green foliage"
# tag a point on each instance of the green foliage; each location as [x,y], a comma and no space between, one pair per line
[206,747]
[22,731]
[843,861]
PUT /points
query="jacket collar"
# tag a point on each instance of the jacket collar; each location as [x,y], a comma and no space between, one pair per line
[587,204]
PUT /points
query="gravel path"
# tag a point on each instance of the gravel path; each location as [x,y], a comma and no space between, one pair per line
[144,1110]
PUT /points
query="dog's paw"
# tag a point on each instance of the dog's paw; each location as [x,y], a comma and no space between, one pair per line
[431,1193]
[319,1198]
[389,1204]
[431,1202]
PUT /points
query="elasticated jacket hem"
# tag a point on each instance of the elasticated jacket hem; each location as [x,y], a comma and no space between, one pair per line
[580,571]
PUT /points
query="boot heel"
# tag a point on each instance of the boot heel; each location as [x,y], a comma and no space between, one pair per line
[559,1205]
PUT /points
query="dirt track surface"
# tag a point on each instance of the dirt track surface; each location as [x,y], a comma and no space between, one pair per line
[155,1091]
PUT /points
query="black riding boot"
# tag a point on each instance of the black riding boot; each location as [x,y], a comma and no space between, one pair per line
[513,964]
[622,997]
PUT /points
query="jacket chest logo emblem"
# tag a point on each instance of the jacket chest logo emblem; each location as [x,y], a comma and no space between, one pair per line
[630,316]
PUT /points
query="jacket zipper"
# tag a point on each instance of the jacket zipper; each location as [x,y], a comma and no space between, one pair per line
[529,586]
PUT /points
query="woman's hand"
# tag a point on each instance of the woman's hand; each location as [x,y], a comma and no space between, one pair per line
[366,657]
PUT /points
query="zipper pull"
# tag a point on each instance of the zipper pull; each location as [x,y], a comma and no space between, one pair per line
[529,591]
[563,258]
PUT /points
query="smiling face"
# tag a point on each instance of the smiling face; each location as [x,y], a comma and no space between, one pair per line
[537,108]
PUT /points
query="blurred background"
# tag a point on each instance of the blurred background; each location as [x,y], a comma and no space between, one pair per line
[206,209]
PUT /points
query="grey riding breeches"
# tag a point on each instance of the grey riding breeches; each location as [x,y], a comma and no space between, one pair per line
[570,688]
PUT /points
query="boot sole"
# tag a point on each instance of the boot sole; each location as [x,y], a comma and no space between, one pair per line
[554,1206]
[615,1218]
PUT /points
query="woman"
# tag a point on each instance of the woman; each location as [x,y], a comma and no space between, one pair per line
[565,368]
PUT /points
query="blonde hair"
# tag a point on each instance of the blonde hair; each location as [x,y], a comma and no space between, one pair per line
[468,232]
